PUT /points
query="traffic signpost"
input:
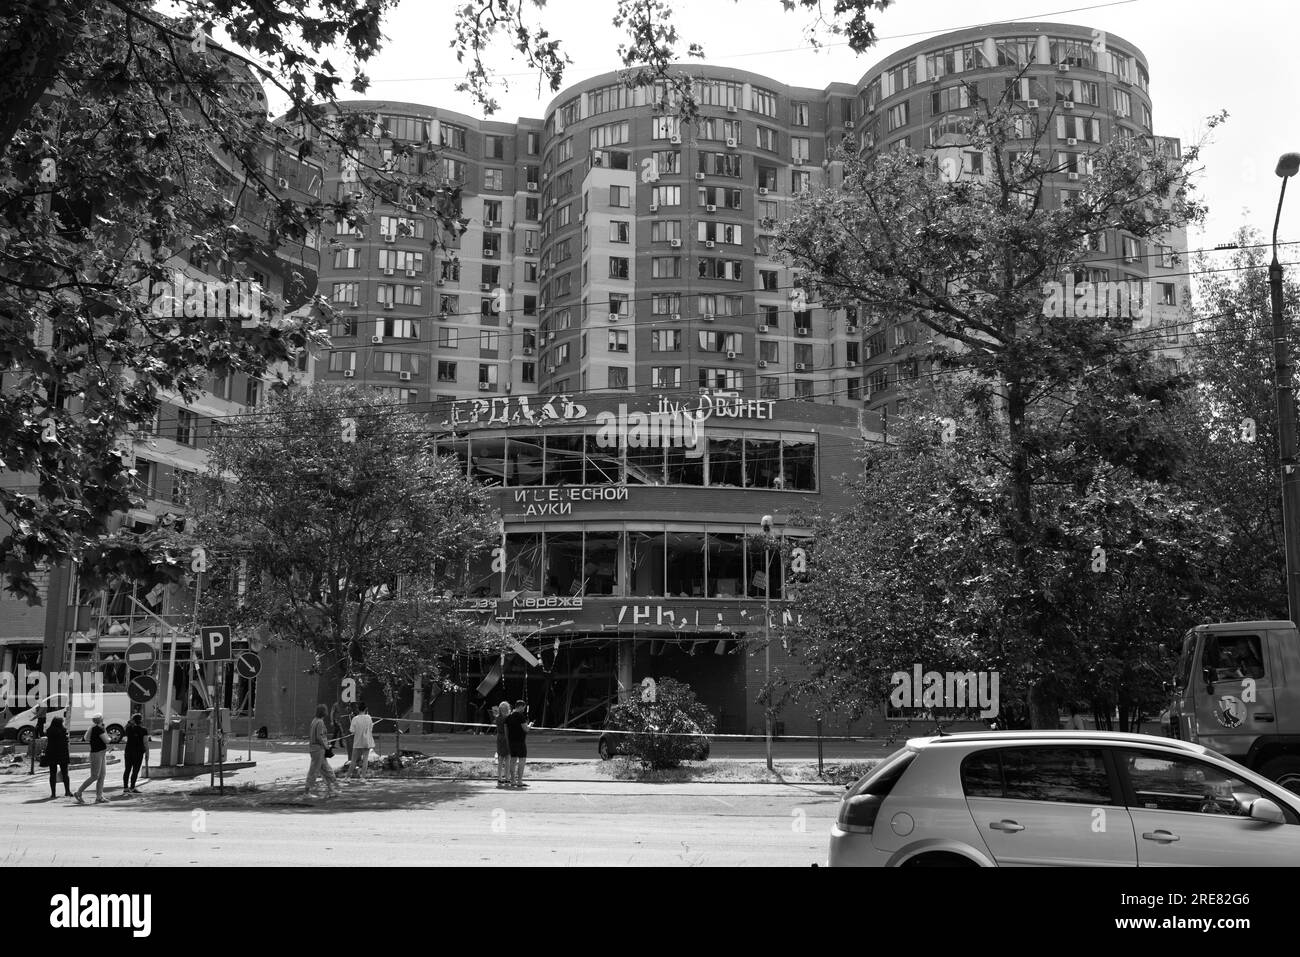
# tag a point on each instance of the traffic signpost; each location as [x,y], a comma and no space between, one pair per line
[142,688]
[215,641]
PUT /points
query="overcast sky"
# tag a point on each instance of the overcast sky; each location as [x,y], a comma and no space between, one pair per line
[1204,57]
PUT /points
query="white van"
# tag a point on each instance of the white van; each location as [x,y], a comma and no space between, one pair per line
[115,706]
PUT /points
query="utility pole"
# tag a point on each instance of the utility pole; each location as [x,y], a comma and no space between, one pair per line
[1284,394]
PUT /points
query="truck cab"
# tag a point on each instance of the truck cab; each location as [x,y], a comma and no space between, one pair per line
[1237,690]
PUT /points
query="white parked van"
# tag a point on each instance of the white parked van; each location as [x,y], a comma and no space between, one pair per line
[115,706]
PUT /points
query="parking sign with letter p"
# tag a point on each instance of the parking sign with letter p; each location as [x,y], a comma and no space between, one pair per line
[216,642]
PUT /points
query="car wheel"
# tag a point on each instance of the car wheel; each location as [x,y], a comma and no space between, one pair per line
[114,733]
[25,736]
[939,859]
[1285,771]
[605,749]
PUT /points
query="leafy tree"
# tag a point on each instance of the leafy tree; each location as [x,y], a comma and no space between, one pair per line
[348,544]
[1063,402]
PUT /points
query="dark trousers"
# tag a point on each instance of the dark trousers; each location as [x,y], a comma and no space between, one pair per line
[131,771]
[57,769]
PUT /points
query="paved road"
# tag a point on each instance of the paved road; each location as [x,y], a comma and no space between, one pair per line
[418,823]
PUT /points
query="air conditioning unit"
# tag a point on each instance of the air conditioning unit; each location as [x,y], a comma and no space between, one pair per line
[440,282]
[802,330]
[483,387]
[555,202]
[354,304]
[851,328]
[550,370]
[411,273]
[1063,67]
[800,367]
[388,270]
[675,317]
[545,177]
[762,327]
[675,243]
[532,187]
[442,315]
[1032,104]
[730,354]
[675,140]
[1130,259]
[530,251]
[348,373]
[484,287]
[707,317]
[762,191]
[732,108]
[403,377]
[654,207]
[710,208]
[390,304]
[282,183]
[1067,104]
[489,254]
[390,238]
[377,340]
[1072,141]
[510,387]
[851,364]
[699,176]
[709,244]
[762,363]
[731,143]
[490,224]
[528,350]
[550,336]
[933,79]
[614,317]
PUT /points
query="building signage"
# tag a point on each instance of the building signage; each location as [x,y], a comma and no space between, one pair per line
[695,619]
[559,500]
[523,603]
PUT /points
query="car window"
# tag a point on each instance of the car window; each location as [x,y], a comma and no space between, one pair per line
[1170,783]
[1066,775]
[1234,656]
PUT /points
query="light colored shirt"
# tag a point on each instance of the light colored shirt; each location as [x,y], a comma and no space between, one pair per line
[361,728]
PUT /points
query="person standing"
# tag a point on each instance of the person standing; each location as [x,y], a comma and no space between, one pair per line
[137,748]
[57,756]
[517,725]
[98,739]
[317,746]
[499,717]
[363,740]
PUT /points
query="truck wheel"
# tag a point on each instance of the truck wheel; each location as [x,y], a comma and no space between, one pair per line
[1285,771]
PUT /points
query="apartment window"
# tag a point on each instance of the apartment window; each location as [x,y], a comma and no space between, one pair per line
[718,196]
[769,387]
[528,372]
[665,304]
[1166,256]
[186,427]
[896,116]
[533,143]
[803,388]
[664,127]
[803,355]
[666,195]
[666,377]
[618,377]
[721,379]
[494,147]
[487,375]
[665,230]
[618,267]
[397,362]
[345,292]
[347,258]
[620,231]
[800,181]
[666,340]
[339,326]
[1123,102]
[769,315]
[618,304]
[798,114]
[620,196]
[666,267]
[1168,294]
[1132,248]
[768,280]
[950,98]
[617,341]
[611,134]
[447,337]
[765,138]
[399,329]
[452,137]
[446,371]
[182,485]
[729,269]
[769,350]
[762,101]
[800,149]
[342,362]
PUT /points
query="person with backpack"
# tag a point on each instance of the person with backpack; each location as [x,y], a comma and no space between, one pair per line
[57,756]
[98,738]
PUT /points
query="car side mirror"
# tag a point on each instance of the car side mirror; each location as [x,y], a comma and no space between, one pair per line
[1262,809]
[1208,674]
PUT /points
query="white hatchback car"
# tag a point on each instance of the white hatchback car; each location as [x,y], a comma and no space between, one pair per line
[1023,798]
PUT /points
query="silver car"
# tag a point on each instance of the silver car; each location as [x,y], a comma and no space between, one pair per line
[1023,798]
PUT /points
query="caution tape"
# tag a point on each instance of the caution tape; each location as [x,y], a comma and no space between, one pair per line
[669,734]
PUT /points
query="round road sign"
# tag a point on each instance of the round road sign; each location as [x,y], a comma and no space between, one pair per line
[141,688]
[141,656]
[248,664]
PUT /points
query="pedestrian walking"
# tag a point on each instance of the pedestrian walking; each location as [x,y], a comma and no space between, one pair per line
[363,739]
[319,750]
[503,745]
[98,739]
[57,756]
[517,725]
[137,748]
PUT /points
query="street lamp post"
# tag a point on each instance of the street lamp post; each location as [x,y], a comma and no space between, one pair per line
[1287,166]
[767,633]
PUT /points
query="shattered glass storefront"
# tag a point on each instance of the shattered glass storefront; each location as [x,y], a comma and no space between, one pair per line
[632,544]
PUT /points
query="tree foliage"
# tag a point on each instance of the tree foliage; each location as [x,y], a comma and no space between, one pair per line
[1065,418]
[662,729]
[349,549]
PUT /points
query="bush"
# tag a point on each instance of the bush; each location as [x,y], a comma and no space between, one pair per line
[665,731]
